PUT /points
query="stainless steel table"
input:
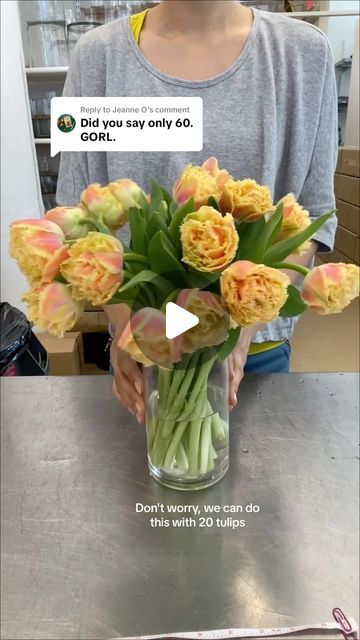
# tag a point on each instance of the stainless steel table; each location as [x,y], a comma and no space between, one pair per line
[79,562]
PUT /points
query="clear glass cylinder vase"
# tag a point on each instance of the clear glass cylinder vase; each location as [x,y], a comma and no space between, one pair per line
[187,422]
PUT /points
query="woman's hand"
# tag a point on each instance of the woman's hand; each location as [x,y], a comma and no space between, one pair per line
[128,385]
[237,361]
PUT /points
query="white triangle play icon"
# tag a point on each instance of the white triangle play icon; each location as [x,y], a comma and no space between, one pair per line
[178,320]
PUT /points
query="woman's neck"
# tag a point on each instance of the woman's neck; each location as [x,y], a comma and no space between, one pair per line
[195,17]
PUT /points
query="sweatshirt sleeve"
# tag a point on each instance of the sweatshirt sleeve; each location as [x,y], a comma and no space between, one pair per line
[317,195]
[73,172]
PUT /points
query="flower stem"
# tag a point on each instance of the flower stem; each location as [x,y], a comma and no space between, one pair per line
[205,443]
[290,265]
[170,454]
[136,257]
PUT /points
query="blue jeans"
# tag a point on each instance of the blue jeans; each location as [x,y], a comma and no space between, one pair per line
[275,360]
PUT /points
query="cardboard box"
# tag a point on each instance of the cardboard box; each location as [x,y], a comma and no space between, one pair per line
[347,189]
[347,243]
[348,216]
[334,256]
[64,353]
[350,162]
[92,321]
[336,182]
[339,159]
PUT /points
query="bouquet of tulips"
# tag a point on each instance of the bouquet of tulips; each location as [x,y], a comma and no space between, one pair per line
[216,247]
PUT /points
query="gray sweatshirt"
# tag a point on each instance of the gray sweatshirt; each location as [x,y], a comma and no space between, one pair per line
[272,116]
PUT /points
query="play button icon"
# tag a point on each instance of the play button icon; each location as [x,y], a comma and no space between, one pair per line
[178,320]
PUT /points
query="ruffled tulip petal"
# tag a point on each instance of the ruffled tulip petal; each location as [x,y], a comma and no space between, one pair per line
[52,268]
[329,288]
[200,183]
[34,244]
[94,268]
[246,200]
[52,308]
[295,219]
[209,240]
[214,320]
[39,224]
[254,293]
[71,220]
[144,339]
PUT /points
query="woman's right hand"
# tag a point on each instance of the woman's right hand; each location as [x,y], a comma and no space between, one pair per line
[128,385]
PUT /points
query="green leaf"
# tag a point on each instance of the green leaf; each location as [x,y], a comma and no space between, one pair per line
[249,237]
[282,249]
[178,219]
[229,344]
[166,196]
[294,305]
[118,299]
[202,280]
[148,276]
[156,197]
[144,205]
[269,234]
[164,210]
[163,259]
[170,298]
[212,202]
[156,223]
[137,224]
[173,208]
[61,279]
[99,226]
[134,268]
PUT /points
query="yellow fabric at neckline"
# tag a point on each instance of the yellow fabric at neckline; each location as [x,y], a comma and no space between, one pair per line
[136,24]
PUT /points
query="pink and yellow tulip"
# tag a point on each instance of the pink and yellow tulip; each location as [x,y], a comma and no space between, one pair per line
[329,288]
[200,183]
[209,240]
[246,200]
[295,219]
[144,339]
[127,192]
[110,204]
[39,249]
[104,206]
[213,317]
[94,267]
[71,220]
[254,293]
[52,308]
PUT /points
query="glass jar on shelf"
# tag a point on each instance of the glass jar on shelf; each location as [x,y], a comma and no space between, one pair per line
[92,10]
[47,43]
[43,10]
[76,29]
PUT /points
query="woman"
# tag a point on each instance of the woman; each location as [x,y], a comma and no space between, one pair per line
[270,113]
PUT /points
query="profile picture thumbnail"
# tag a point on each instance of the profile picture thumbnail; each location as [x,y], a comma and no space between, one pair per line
[66,123]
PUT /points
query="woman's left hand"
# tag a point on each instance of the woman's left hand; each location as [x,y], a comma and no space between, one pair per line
[237,361]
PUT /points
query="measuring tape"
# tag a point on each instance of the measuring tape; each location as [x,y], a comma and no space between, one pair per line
[347,626]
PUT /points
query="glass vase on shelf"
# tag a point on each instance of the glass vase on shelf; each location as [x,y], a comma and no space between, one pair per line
[76,29]
[47,43]
[187,421]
